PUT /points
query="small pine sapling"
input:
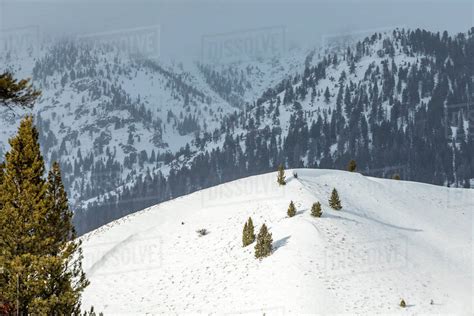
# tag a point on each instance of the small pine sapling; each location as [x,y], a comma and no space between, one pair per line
[263,248]
[334,200]
[291,210]
[352,166]
[316,210]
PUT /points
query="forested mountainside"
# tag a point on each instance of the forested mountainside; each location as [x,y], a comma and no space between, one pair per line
[131,133]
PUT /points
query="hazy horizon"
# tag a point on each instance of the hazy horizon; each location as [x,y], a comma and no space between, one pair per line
[183,24]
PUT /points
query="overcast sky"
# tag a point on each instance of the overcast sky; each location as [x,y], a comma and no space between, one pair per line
[184,23]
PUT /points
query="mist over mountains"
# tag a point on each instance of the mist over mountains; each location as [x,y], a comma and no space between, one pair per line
[131,130]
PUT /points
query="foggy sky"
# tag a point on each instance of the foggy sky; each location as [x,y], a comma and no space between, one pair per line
[183,23]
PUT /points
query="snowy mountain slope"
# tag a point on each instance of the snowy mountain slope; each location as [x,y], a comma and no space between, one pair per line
[129,133]
[392,240]
[120,112]
[245,81]
[100,102]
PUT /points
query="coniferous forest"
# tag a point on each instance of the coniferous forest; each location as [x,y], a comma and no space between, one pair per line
[395,120]
[397,103]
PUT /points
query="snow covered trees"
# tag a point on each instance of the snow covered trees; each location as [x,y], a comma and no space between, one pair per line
[316,210]
[248,235]
[40,257]
[334,200]
[263,248]
[281,175]
[291,210]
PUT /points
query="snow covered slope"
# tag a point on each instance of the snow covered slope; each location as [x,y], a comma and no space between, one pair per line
[391,240]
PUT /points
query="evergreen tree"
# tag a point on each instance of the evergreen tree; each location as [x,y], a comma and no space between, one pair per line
[14,92]
[41,262]
[316,210]
[245,241]
[396,176]
[291,210]
[352,166]
[263,248]
[248,235]
[23,201]
[334,201]
[250,231]
[64,266]
[327,95]
[281,175]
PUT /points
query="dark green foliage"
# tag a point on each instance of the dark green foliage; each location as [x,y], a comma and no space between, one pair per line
[403,304]
[316,210]
[352,166]
[263,248]
[334,200]
[248,235]
[245,242]
[281,175]
[16,93]
[39,255]
[291,210]
[396,176]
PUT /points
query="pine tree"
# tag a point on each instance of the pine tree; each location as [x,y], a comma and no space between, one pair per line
[334,201]
[403,304]
[263,248]
[291,210]
[316,210]
[250,231]
[14,92]
[37,257]
[327,95]
[248,235]
[63,266]
[245,241]
[352,166]
[23,201]
[281,175]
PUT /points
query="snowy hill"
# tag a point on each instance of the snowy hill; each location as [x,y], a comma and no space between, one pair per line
[391,240]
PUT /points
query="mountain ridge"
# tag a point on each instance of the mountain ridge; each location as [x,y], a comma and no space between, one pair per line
[119,154]
[392,236]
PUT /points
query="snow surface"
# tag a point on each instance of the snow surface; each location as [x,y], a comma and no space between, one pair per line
[391,240]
